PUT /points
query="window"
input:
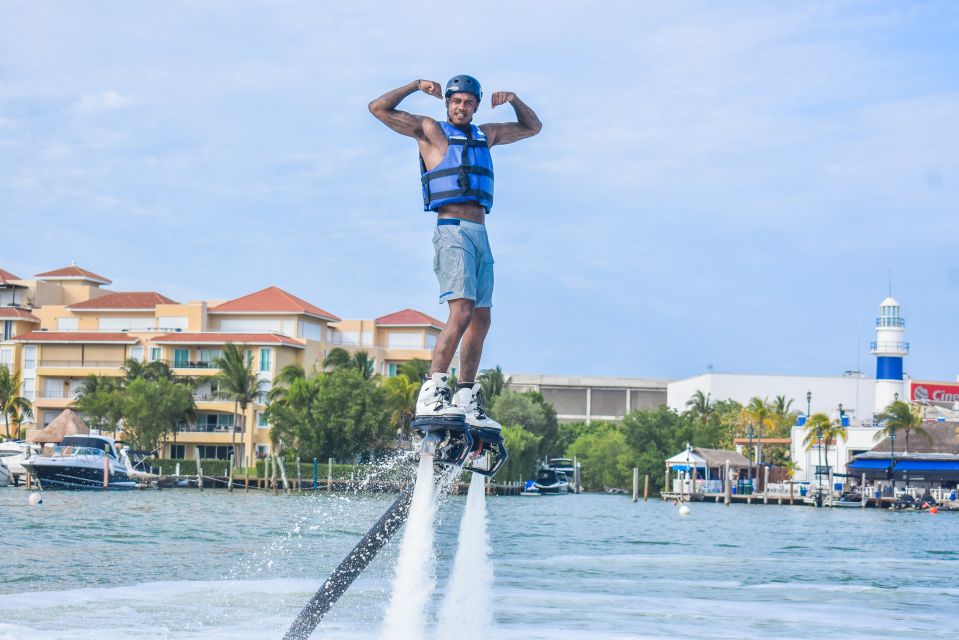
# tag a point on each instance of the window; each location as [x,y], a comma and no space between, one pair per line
[214,451]
[262,451]
[30,357]
[126,324]
[6,357]
[209,356]
[156,353]
[261,422]
[136,353]
[177,451]
[29,389]
[181,358]
[67,324]
[7,329]
[404,340]
[430,341]
[391,369]
[265,358]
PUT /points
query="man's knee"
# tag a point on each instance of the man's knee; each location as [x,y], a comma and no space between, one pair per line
[461,313]
[481,318]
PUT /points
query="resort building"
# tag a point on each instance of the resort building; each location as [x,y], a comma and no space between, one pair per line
[588,398]
[63,326]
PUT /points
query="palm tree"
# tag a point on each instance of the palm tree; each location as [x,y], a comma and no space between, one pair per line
[493,382]
[336,358]
[401,399]
[12,405]
[700,406]
[416,370]
[900,416]
[758,412]
[820,429]
[237,382]
[362,362]
[284,379]
[781,406]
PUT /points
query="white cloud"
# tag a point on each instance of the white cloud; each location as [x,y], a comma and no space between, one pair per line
[103,101]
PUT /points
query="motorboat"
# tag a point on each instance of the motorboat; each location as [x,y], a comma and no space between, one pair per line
[81,462]
[13,453]
[6,477]
[552,481]
[850,499]
[567,466]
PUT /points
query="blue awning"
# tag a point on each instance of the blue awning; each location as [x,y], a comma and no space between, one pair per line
[869,463]
[927,465]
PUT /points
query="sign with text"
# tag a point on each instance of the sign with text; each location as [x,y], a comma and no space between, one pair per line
[934,391]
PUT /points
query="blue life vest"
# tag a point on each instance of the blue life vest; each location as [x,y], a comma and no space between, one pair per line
[465,174]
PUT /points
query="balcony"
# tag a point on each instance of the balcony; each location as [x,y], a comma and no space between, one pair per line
[208,428]
[890,322]
[78,364]
[889,347]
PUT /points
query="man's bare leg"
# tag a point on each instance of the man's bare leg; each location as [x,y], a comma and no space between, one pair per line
[461,316]
[471,349]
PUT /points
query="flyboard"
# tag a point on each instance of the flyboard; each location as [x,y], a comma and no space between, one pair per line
[452,443]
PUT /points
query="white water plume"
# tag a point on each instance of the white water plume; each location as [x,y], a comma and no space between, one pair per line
[415,578]
[467,609]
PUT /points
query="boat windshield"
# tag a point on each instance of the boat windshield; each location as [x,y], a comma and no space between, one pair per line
[61,452]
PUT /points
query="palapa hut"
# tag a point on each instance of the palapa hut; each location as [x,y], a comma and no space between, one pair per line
[67,423]
[707,466]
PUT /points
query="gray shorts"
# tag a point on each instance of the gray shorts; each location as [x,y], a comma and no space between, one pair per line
[463,261]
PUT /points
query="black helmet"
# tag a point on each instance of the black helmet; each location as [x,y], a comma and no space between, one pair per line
[464,84]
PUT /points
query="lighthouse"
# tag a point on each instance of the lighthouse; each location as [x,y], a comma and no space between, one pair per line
[889,349]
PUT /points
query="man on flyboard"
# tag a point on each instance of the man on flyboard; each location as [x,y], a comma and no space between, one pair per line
[457,177]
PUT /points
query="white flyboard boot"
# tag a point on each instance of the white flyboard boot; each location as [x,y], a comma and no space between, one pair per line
[470,399]
[435,404]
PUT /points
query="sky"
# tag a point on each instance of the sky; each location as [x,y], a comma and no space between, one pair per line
[717,186]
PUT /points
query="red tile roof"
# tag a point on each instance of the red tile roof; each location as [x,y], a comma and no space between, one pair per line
[272,300]
[226,338]
[6,275]
[73,272]
[126,300]
[75,336]
[408,318]
[14,313]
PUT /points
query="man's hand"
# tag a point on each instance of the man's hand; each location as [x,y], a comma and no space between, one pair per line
[430,88]
[502,97]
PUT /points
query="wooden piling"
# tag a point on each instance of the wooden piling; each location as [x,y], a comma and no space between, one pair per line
[273,474]
[792,488]
[299,481]
[728,488]
[635,484]
[831,484]
[765,484]
[666,487]
[106,470]
[646,488]
[329,474]
[267,465]
[862,491]
[229,476]
[246,487]
[199,471]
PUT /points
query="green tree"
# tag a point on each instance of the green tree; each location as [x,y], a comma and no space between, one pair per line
[337,357]
[334,414]
[237,382]
[529,410]
[152,408]
[100,402]
[699,406]
[605,458]
[401,394]
[655,435]
[759,414]
[819,425]
[284,379]
[362,362]
[900,416]
[493,382]
[523,448]
[416,370]
[13,406]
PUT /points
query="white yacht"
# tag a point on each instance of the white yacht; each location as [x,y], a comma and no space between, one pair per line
[13,453]
[80,462]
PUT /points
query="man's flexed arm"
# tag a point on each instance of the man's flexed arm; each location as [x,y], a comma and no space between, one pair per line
[526,125]
[384,108]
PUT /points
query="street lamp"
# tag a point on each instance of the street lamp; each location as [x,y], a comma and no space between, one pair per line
[808,404]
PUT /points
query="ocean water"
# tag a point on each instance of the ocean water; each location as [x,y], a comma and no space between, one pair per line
[214,565]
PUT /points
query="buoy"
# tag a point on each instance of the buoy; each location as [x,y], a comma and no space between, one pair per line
[684,510]
[933,509]
[35,499]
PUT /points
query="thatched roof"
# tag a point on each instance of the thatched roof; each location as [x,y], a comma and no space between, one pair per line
[945,440]
[67,423]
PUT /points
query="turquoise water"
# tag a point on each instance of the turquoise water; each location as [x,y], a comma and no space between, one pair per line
[185,564]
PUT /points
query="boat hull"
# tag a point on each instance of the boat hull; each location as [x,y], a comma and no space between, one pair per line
[76,477]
